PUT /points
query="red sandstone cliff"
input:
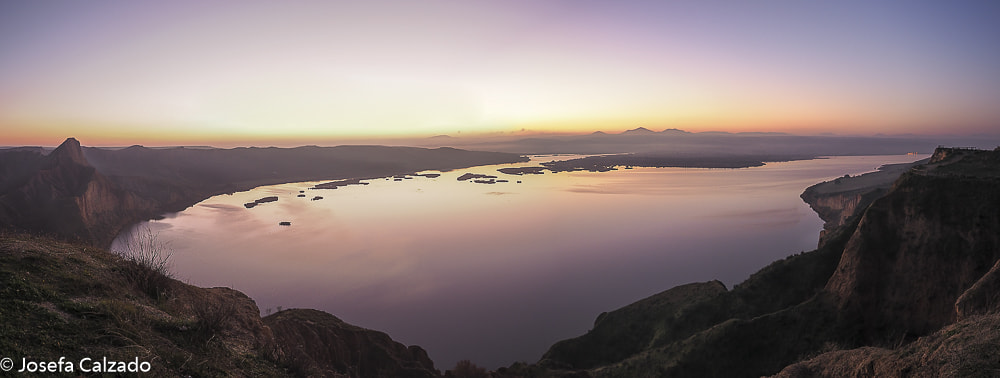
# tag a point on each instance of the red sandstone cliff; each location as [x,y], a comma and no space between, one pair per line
[63,195]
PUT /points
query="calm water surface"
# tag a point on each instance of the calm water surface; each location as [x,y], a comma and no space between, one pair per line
[497,273]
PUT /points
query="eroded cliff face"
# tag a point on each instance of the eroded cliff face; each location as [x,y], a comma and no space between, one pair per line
[62,194]
[920,247]
[837,201]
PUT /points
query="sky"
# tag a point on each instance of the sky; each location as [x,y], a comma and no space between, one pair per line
[259,72]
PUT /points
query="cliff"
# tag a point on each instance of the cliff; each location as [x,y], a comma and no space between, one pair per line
[838,200]
[65,299]
[923,265]
[920,247]
[63,195]
[913,271]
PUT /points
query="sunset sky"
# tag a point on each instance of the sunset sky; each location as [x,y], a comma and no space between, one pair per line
[210,72]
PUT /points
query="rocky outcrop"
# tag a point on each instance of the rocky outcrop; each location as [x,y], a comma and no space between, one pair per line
[836,208]
[982,298]
[318,344]
[920,247]
[837,200]
[64,195]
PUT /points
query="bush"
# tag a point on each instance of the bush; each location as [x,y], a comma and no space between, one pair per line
[148,261]
[467,369]
[212,316]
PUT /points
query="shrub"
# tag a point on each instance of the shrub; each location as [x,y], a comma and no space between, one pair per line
[467,369]
[148,261]
[212,316]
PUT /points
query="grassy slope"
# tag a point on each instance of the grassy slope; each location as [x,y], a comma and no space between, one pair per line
[59,299]
[965,349]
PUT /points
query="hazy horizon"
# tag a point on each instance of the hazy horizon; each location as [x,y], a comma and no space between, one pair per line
[447,140]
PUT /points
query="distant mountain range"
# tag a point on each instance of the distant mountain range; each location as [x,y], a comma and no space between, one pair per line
[680,143]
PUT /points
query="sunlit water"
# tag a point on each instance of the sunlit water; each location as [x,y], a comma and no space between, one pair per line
[497,273]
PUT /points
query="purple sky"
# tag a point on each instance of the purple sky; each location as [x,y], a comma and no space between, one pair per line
[195,71]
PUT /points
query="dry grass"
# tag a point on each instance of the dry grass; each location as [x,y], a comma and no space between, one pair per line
[148,260]
[63,299]
[964,349]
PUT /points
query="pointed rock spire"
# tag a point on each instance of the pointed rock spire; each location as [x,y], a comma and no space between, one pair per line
[69,151]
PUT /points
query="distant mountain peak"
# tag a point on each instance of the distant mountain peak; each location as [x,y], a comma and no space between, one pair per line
[598,133]
[674,131]
[639,130]
[69,151]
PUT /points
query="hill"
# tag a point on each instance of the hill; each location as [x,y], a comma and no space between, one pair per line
[60,299]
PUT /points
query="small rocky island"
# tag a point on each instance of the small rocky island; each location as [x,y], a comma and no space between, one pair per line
[249,205]
[339,183]
[469,176]
[522,170]
[286,223]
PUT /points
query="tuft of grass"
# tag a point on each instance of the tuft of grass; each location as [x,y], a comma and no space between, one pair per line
[212,317]
[467,369]
[148,262]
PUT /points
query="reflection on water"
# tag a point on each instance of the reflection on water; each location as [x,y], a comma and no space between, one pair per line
[496,273]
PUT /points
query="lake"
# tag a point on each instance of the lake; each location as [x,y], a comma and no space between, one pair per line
[496,273]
